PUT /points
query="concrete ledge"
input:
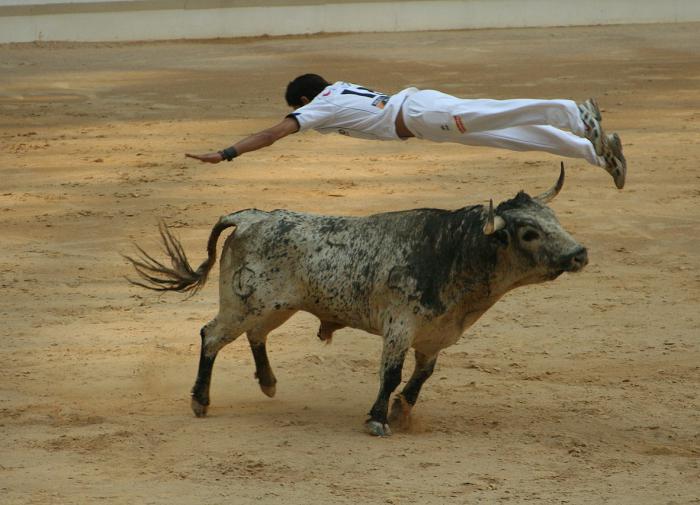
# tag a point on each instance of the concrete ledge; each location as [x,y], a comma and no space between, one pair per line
[39,7]
[123,20]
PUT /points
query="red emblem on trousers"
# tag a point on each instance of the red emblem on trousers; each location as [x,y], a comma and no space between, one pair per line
[460,125]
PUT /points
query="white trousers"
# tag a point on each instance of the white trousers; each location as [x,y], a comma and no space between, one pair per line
[518,125]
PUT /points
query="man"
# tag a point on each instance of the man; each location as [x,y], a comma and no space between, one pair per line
[519,125]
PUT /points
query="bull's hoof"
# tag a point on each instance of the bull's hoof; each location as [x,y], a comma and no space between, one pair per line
[377,429]
[269,390]
[199,409]
[400,414]
[326,329]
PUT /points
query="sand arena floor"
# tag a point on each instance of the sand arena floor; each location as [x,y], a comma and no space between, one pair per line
[583,391]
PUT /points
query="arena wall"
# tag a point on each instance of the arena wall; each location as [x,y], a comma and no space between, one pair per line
[124,20]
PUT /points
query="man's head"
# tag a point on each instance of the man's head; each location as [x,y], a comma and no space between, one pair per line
[303,89]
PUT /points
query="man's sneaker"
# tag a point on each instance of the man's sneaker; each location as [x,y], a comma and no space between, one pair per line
[591,106]
[615,162]
[590,115]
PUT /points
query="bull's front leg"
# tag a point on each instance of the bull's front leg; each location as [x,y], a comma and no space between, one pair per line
[400,415]
[396,344]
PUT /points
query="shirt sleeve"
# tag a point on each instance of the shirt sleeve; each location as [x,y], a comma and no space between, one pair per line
[315,114]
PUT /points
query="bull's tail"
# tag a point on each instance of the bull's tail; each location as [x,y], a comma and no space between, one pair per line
[179,276]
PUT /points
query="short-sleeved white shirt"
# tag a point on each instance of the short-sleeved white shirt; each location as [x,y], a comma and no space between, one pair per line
[352,110]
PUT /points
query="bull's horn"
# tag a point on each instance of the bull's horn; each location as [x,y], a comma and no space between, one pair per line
[549,195]
[493,222]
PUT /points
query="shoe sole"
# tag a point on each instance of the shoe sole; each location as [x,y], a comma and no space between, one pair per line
[596,136]
[619,173]
[593,107]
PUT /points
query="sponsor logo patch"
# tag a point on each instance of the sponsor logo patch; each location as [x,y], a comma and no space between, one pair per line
[460,125]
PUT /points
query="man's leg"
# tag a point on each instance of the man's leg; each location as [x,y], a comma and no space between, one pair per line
[518,125]
[428,108]
[488,115]
[535,138]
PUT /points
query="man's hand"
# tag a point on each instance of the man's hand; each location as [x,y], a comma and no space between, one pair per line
[252,142]
[206,158]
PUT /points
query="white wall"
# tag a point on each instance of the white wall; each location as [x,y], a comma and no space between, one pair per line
[114,20]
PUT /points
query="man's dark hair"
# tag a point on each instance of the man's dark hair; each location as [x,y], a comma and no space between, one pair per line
[308,85]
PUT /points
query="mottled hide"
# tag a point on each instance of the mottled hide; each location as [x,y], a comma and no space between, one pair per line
[418,278]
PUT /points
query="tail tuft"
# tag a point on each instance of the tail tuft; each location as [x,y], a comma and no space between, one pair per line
[179,276]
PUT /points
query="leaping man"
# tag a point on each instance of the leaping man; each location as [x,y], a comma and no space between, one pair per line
[560,127]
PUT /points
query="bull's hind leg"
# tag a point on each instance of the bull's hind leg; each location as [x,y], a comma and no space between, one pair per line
[400,415]
[221,332]
[257,337]
[215,335]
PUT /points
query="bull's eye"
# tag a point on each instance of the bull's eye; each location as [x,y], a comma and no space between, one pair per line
[530,235]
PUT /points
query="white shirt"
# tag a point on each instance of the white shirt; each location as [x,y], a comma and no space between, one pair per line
[352,110]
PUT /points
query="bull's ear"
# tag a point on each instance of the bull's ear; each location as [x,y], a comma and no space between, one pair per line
[502,236]
[493,222]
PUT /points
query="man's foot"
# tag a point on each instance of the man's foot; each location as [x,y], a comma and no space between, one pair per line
[615,162]
[591,106]
[590,115]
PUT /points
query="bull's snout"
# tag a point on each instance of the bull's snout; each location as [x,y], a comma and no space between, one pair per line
[576,260]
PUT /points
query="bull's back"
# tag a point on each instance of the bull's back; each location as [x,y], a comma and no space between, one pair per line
[326,265]
[334,267]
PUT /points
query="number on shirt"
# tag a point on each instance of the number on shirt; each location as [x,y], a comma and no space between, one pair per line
[379,100]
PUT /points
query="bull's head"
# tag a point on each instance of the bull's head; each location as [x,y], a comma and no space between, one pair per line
[531,239]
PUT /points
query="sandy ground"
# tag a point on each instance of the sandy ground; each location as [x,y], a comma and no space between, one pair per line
[584,390]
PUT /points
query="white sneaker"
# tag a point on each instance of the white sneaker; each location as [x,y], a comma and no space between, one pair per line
[590,115]
[615,163]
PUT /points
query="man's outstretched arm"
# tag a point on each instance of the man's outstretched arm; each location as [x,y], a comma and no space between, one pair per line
[251,143]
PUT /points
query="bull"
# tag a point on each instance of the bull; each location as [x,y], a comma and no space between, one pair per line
[418,278]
